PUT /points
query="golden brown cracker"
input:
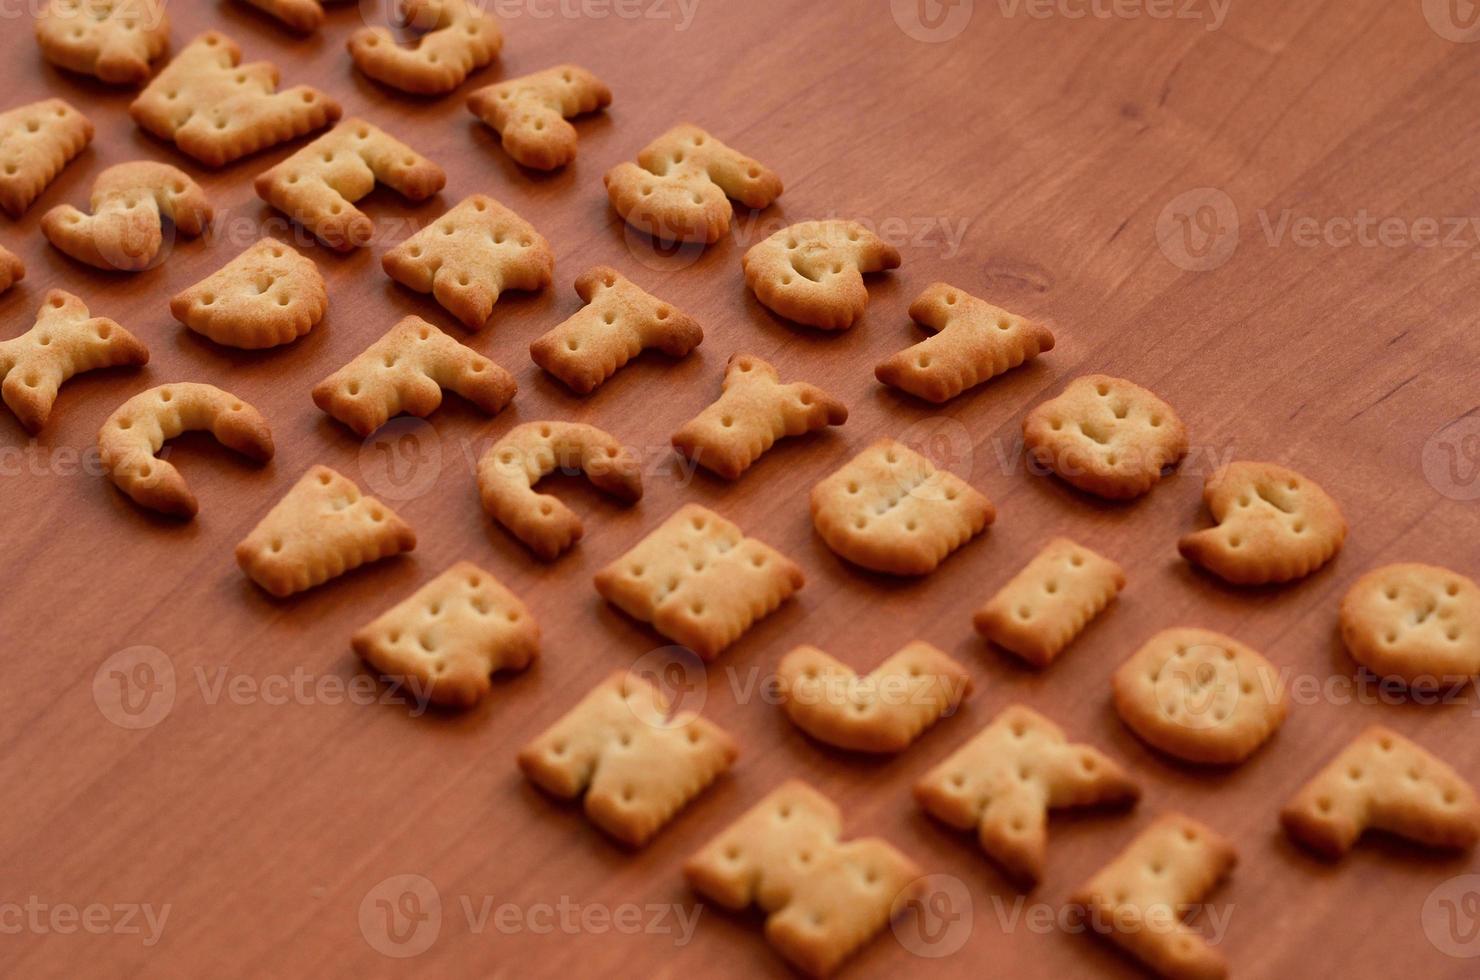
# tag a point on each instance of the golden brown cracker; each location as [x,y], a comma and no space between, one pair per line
[36,142]
[12,269]
[266,296]
[130,203]
[813,272]
[1049,602]
[1416,623]
[455,38]
[112,40]
[529,113]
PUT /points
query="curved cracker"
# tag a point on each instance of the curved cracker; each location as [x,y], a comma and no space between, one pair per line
[140,426]
[457,38]
[266,296]
[1048,603]
[36,142]
[812,272]
[1416,623]
[113,40]
[130,203]
[529,113]
[304,16]
[12,269]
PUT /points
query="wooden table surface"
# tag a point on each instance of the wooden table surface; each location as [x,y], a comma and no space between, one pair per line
[1261,213]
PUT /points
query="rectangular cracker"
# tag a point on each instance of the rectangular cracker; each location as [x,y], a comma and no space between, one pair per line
[1048,603]
[39,140]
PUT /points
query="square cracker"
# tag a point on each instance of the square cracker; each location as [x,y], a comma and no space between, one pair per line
[1048,603]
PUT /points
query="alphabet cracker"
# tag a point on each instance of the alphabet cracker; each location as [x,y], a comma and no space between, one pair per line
[699,580]
[1005,779]
[973,342]
[12,269]
[113,40]
[132,435]
[680,186]
[1106,436]
[470,255]
[1200,696]
[457,38]
[618,322]
[882,711]
[266,296]
[754,411]
[450,635]
[526,454]
[66,340]
[36,142]
[406,371]
[530,113]
[823,897]
[318,185]
[1273,525]
[1138,900]
[322,528]
[1383,781]
[1049,602]
[1416,623]
[890,510]
[218,110]
[812,273]
[301,15]
[636,766]
[130,202]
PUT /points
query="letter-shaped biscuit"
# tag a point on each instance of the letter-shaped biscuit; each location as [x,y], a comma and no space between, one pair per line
[446,638]
[469,256]
[1137,900]
[132,435]
[266,296]
[1048,603]
[636,766]
[130,202]
[1383,781]
[457,38]
[322,528]
[530,113]
[890,510]
[754,411]
[318,185]
[36,142]
[113,40]
[1274,525]
[218,110]
[812,273]
[1005,779]
[618,322]
[973,342]
[679,189]
[699,580]
[300,15]
[66,340]
[1416,623]
[823,898]
[527,454]
[1106,436]
[12,269]
[882,711]
[406,371]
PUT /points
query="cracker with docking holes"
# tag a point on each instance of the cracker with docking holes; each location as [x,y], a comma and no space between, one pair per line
[1049,602]
[456,38]
[636,766]
[12,269]
[112,40]
[469,256]
[528,453]
[1003,782]
[218,110]
[618,322]
[529,113]
[266,296]
[823,897]
[132,435]
[1138,900]
[66,340]
[813,272]
[1273,525]
[754,410]
[973,342]
[1416,623]
[36,142]
[1383,781]
[321,528]
[304,16]
[1200,696]
[318,185]
[447,638]
[130,203]
[881,711]
[406,371]
[699,580]
[889,509]
[679,189]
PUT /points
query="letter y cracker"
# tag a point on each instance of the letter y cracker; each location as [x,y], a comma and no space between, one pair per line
[1048,603]
[112,40]
[530,113]
[36,142]
[813,272]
